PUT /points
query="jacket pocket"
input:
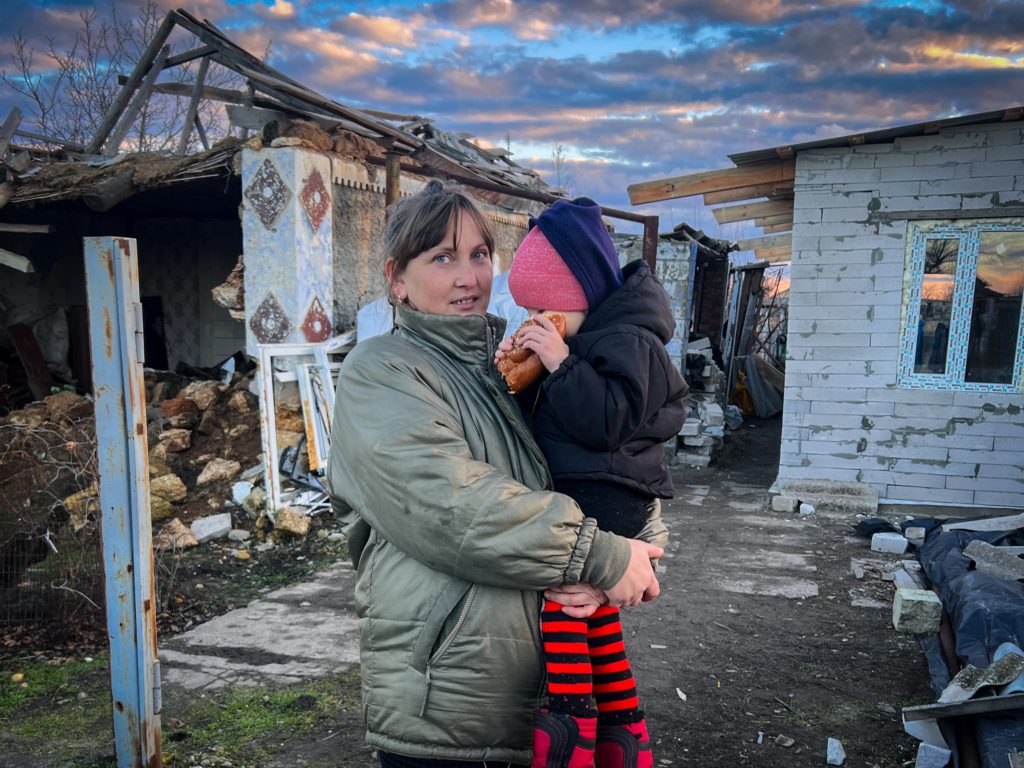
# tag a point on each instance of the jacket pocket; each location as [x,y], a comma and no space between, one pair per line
[450,609]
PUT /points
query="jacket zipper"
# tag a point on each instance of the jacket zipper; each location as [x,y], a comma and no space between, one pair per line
[448,641]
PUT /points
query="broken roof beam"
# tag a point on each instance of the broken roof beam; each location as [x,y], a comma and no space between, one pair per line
[141,68]
[15,261]
[138,102]
[771,229]
[192,116]
[10,125]
[782,218]
[773,171]
[748,211]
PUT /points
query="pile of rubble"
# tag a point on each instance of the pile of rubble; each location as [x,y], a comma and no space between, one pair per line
[703,433]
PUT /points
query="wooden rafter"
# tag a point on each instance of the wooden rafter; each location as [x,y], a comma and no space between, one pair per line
[782,218]
[774,255]
[769,241]
[749,193]
[748,211]
[711,181]
[771,229]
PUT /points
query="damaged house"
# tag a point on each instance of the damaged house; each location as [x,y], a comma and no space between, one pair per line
[905,357]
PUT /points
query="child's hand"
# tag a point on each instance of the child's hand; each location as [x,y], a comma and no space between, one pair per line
[504,347]
[544,339]
[577,600]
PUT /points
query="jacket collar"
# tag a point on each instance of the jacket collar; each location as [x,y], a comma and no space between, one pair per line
[469,339]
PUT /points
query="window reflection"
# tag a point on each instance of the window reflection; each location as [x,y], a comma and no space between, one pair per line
[995,312]
[936,305]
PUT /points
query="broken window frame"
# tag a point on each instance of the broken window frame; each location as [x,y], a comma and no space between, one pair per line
[967,233]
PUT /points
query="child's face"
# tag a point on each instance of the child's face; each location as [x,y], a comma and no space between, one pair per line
[573,318]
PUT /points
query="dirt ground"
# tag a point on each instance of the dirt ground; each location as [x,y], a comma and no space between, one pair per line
[748,664]
[728,667]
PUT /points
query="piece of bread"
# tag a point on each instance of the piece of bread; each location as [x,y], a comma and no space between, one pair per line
[521,367]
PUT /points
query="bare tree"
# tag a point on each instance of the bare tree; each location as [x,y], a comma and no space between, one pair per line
[564,177]
[68,90]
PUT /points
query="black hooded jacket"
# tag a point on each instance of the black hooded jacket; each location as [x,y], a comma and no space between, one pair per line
[604,414]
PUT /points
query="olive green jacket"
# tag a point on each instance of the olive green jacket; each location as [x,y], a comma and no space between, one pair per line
[454,534]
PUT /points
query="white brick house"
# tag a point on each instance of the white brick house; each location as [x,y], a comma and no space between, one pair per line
[905,359]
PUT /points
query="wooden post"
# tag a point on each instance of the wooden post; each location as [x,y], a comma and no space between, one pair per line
[393,179]
[651,241]
[125,124]
[143,66]
[8,128]
[193,106]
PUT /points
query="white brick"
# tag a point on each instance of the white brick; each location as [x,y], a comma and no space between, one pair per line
[915,409]
[954,441]
[1007,152]
[917,173]
[1010,444]
[921,202]
[997,168]
[894,160]
[832,407]
[919,396]
[946,496]
[962,186]
[844,176]
[893,188]
[1005,485]
[837,353]
[977,202]
[885,339]
[889,542]
[916,611]
[1009,458]
[999,499]
[873,149]
[885,477]
[954,156]
[845,214]
[996,429]
[930,467]
[1002,470]
[797,472]
[939,143]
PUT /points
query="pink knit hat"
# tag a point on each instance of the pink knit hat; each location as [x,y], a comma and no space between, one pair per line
[541,280]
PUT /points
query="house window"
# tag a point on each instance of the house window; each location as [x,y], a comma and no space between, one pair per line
[963,326]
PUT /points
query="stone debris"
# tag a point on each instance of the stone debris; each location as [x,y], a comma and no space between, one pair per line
[239,534]
[784,741]
[916,611]
[806,509]
[176,440]
[1001,562]
[67,406]
[174,535]
[703,433]
[219,469]
[241,402]
[179,412]
[168,487]
[834,496]
[292,521]
[160,509]
[932,756]
[81,505]
[212,527]
[240,491]
[255,503]
[203,393]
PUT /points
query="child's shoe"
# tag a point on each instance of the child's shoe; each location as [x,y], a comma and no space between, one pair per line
[563,741]
[623,746]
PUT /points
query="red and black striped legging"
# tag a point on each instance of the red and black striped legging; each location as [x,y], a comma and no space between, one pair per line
[586,662]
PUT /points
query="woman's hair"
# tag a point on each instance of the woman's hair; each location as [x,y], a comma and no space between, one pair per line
[420,222]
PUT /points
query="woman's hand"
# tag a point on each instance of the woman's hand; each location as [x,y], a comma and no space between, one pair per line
[577,600]
[544,339]
[638,584]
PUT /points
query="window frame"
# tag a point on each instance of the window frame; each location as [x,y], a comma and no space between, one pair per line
[968,234]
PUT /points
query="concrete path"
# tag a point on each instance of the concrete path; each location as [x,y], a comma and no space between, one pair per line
[299,632]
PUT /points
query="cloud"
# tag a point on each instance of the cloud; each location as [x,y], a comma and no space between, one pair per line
[282,9]
[380,30]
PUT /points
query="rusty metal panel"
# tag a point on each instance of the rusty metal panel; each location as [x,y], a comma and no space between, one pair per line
[115,330]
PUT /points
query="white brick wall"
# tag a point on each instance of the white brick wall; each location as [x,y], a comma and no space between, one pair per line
[845,418]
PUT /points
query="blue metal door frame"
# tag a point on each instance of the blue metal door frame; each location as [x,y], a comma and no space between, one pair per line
[115,332]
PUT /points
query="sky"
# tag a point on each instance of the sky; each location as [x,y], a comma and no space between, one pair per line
[630,91]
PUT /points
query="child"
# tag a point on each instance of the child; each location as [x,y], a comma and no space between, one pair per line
[610,399]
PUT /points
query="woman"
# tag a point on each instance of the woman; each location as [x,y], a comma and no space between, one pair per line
[452,528]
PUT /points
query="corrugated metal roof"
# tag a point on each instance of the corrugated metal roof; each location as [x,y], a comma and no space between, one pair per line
[881,136]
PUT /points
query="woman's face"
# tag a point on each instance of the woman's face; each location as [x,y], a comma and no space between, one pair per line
[453,277]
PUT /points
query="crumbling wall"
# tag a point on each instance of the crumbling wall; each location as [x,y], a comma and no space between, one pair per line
[845,417]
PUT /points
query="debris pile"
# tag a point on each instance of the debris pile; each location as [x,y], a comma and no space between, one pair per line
[703,433]
[971,571]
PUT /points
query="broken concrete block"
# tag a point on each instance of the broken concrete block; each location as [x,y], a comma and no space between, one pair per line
[806,509]
[174,535]
[993,560]
[915,535]
[886,541]
[834,496]
[714,431]
[81,504]
[785,504]
[690,427]
[175,440]
[219,469]
[255,503]
[207,423]
[711,414]
[239,534]
[179,412]
[168,486]
[916,611]
[241,490]
[293,521]
[697,441]
[212,527]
